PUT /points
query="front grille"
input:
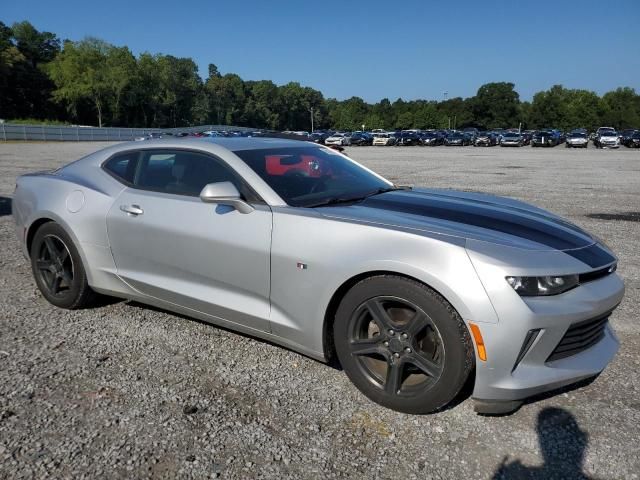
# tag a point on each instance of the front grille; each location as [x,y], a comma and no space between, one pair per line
[579,337]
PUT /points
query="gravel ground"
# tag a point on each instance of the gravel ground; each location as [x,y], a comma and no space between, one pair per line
[127,391]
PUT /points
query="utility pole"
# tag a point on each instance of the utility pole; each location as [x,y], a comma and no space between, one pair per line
[311,109]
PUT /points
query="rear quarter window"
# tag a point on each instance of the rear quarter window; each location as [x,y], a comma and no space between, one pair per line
[122,166]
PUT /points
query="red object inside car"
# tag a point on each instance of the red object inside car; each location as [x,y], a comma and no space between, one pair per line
[306,165]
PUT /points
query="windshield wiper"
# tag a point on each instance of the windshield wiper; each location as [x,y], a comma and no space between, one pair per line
[359,198]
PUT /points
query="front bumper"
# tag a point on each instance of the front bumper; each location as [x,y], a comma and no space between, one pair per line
[518,367]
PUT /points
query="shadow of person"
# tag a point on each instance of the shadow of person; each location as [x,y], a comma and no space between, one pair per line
[562,444]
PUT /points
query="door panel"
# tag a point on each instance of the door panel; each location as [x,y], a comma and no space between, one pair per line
[202,256]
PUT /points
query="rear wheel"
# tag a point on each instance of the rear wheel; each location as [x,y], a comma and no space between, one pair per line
[58,270]
[402,344]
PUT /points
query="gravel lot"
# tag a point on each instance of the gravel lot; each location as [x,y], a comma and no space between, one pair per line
[127,391]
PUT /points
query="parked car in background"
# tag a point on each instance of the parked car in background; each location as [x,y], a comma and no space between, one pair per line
[318,137]
[498,132]
[485,139]
[577,139]
[383,139]
[408,138]
[458,139]
[150,136]
[471,132]
[607,138]
[626,134]
[560,135]
[341,139]
[604,130]
[431,139]
[361,139]
[544,138]
[634,141]
[526,137]
[512,139]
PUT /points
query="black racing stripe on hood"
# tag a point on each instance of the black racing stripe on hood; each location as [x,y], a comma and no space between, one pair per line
[595,256]
[511,221]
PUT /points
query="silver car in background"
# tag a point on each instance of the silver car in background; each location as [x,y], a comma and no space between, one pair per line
[342,139]
[606,138]
[512,139]
[577,139]
[413,291]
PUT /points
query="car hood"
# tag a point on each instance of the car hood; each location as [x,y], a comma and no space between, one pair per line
[466,215]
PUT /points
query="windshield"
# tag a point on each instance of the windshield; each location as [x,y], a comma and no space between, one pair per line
[309,176]
[578,135]
[511,135]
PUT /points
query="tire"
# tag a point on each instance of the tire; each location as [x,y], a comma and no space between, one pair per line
[58,270]
[402,344]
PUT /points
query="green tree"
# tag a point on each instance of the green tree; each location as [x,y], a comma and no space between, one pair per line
[263,107]
[496,105]
[25,89]
[584,109]
[147,102]
[456,112]
[179,85]
[121,69]
[549,108]
[227,98]
[427,115]
[622,108]
[80,74]
[37,47]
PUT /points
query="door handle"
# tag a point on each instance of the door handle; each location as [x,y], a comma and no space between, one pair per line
[132,209]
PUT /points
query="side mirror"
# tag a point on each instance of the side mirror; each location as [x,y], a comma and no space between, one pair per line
[225,193]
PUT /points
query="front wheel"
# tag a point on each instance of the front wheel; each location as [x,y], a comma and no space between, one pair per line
[58,270]
[402,344]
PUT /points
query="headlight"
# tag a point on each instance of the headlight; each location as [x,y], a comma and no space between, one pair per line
[542,286]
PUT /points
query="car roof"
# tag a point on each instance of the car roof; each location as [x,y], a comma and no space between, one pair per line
[232,144]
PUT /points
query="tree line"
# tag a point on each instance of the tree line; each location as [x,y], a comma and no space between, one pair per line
[92,82]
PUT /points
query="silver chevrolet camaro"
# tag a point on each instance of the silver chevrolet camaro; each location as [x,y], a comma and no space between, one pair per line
[415,292]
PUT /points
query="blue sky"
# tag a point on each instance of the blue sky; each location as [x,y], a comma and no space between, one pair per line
[375,49]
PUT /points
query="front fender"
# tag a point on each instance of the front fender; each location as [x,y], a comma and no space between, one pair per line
[312,257]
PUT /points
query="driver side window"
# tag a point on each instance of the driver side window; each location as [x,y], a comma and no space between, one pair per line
[181,172]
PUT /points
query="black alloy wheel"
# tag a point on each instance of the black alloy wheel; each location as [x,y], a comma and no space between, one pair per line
[396,345]
[57,268]
[402,344]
